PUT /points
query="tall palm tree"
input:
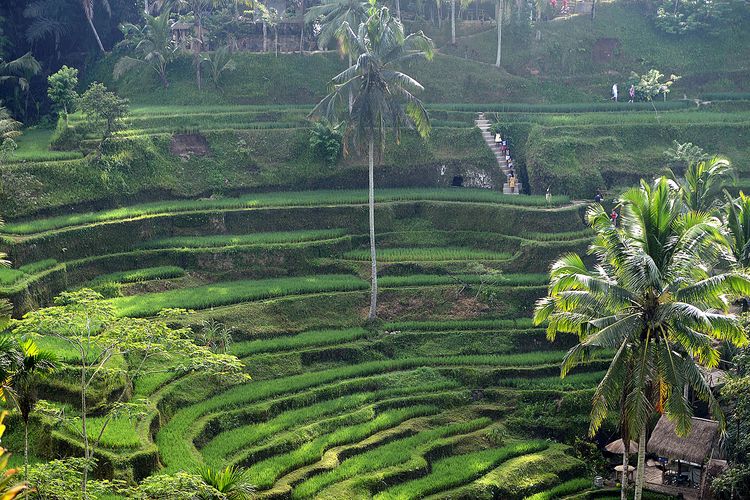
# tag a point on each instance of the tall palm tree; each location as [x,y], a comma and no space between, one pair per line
[332,14]
[34,363]
[384,98]
[18,70]
[737,220]
[88,10]
[198,8]
[703,183]
[152,44]
[653,300]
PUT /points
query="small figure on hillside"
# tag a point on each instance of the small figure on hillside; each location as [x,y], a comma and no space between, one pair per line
[498,140]
[613,217]
[565,8]
[512,184]
[548,197]
[553,3]
[631,92]
[598,198]
[614,92]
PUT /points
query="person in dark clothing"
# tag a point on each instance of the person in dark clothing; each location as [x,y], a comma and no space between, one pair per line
[598,198]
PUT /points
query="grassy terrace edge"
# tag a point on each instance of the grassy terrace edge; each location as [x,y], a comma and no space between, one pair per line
[292,198]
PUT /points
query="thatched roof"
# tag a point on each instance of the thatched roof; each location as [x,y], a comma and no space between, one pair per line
[695,447]
[618,447]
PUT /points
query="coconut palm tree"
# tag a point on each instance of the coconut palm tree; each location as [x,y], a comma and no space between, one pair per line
[34,363]
[152,45]
[219,63]
[653,300]
[18,70]
[384,98]
[88,10]
[737,220]
[703,183]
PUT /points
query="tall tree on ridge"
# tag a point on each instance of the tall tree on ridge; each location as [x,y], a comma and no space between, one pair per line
[88,10]
[383,97]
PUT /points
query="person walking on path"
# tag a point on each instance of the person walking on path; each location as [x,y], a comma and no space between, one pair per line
[598,198]
[613,217]
[631,92]
[548,197]
[614,92]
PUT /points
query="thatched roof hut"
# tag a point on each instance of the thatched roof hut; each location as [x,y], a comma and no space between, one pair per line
[618,447]
[696,447]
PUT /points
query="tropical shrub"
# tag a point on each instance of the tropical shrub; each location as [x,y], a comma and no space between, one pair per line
[326,141]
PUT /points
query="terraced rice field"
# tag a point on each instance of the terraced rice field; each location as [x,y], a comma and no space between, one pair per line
[449,396]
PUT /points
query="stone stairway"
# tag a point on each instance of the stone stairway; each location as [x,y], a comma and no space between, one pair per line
[484,125]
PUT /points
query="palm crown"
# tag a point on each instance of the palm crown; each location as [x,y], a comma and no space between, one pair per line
[383,96]
[332,14]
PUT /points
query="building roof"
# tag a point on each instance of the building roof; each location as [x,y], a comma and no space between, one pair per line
[618,448]
[696,447]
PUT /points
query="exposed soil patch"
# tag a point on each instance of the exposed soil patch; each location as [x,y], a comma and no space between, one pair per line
[444,303]
[187,145]
[605,50]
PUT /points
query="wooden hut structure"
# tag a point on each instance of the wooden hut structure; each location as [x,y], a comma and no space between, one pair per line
[685,458]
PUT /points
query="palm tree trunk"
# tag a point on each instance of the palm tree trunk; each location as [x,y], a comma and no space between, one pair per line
[374,270]
[25,449]
[145,6]
[302,30]
[453,22]
[593,9]
[398,9]
[476,3]
[639,475]
[439,14]
[276,40]
[265,38]
[86,450]
[351,95]
[96,34]
[499,20]
[625,460]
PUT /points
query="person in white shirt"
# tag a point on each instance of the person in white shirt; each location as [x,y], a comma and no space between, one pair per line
[614,92]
